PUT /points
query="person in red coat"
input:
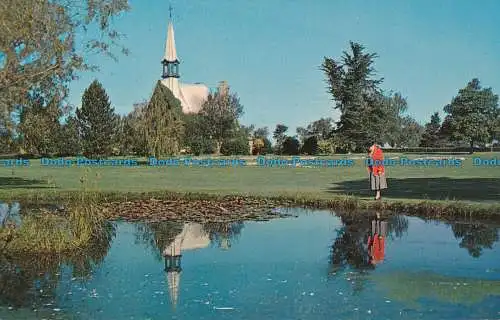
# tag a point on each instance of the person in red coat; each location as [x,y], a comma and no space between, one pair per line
[376,170]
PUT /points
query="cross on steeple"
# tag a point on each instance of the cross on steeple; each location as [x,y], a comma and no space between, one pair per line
[170,11]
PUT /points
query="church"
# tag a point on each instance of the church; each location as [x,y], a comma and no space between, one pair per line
[192,237]
[191,96]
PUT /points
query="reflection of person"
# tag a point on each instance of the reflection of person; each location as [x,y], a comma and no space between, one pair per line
[376,241]
[377,170]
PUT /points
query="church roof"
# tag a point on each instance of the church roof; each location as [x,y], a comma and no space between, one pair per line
[193,97]
[170,50]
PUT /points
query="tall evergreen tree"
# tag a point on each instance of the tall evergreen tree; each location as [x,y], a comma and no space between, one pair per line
[97,121]
[357,96]
[163,125]
[432,133]
[472,114]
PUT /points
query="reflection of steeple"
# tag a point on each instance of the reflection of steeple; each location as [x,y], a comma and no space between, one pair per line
[173,279]
[192,237]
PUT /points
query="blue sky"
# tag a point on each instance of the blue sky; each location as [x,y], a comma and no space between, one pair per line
[270,51]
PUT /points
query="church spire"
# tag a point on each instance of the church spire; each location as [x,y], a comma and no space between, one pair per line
[170,61]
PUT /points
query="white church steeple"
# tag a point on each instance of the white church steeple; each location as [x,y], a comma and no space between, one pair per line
[170,61]
[191,96]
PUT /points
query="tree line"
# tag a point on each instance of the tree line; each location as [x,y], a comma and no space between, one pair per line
[157,127]
[369,114]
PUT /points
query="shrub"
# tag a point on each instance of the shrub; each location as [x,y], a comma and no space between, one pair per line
[235,146]
[291,146]
[325,147]
[310,146]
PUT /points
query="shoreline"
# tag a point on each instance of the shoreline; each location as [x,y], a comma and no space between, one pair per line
[439,209]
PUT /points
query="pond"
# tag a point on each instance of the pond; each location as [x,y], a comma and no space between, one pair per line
[313,266]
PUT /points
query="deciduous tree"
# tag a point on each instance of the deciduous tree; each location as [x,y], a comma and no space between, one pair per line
[291,146]
[70,143]
[258,146]
[220,113]
[310,146]
[262,133]
[134,128]
[39,124]
[411,133]
[473,114]
[279,135]
[394,106]
[44,44]
[196,137]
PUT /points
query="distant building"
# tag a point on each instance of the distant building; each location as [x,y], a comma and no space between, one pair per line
[191,96]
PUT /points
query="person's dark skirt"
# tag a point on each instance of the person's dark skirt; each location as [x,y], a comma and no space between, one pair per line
[378,182]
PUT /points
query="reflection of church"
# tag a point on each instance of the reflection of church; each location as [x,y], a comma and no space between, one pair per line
[191,96]
[192,237]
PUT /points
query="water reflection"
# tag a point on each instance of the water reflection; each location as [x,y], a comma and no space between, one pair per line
[192,237]
[360,242]
[168,240]
[158,235]
[28,281]
[475,236]
[376,241]
[223,234]
[10,215]
[276,270]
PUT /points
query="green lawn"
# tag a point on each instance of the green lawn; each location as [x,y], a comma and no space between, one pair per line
[466,183]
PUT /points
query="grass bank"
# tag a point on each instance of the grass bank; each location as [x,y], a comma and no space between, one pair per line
[439,209]
[83,225]
[464,190]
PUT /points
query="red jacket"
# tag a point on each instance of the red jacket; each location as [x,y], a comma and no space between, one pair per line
[377,158]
